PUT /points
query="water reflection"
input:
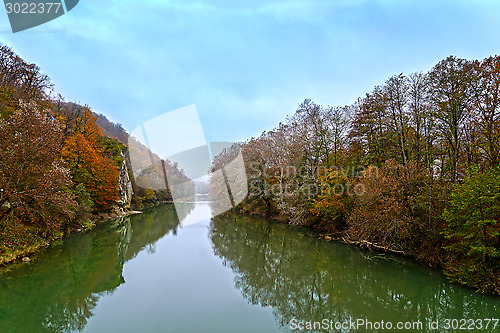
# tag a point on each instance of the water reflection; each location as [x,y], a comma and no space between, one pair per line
[306,279]
[193,212]
[58,290]
[272,265]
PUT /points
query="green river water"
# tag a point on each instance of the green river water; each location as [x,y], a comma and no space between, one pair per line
[144,273]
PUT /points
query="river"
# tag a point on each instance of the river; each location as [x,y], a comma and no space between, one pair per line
[146,273]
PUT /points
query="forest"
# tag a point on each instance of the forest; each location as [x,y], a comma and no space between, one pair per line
[60,163]
[411,168]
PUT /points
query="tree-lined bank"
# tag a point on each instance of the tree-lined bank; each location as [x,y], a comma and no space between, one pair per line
[61,165]
[412,167]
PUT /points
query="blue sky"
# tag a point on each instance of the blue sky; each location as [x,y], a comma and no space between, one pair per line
[246,64]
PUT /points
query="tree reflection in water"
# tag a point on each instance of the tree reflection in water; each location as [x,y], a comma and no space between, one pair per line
[274,265]
[58,290]
[304,278]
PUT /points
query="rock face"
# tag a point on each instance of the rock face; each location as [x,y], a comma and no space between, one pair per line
[124,186]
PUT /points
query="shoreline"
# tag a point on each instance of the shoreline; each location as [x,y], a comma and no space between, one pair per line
[22,254]
[325,236]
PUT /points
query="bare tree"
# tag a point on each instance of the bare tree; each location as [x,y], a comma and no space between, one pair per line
[450,83]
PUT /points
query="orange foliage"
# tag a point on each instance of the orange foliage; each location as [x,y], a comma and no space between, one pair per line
[88,166]
[384,212]
[333,202]
[86,124]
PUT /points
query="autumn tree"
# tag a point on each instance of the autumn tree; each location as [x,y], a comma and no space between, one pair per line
[260,173]
[88,160]
[10,67]
[309,119]
[88,166]
[33,180]
[8,102]
[27,79]
[383,214]
[335,199]
[396,90]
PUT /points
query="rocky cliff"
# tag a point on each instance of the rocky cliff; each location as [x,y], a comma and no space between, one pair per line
[124,186]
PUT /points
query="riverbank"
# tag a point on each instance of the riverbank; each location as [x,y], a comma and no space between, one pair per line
[27,241]
[119,277]
[324,232]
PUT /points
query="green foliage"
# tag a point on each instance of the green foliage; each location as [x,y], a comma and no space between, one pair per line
[85,203]
[473,230]
[112,148]
[8,102]
[146,197]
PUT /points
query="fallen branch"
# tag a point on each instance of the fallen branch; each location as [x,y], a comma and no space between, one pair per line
[370,245]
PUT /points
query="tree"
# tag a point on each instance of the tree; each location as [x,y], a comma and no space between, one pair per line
[383,213]
[33,179]
[27,79]
[335,199]
[98,173]
[473,230]
[9,103]
[372,130]
[309,119]
[486,102]
[337,119]
[94,161]
[418,104]
[450,83]
[396,89]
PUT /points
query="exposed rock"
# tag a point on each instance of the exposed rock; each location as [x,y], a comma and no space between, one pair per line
[26,259]
[124,186]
